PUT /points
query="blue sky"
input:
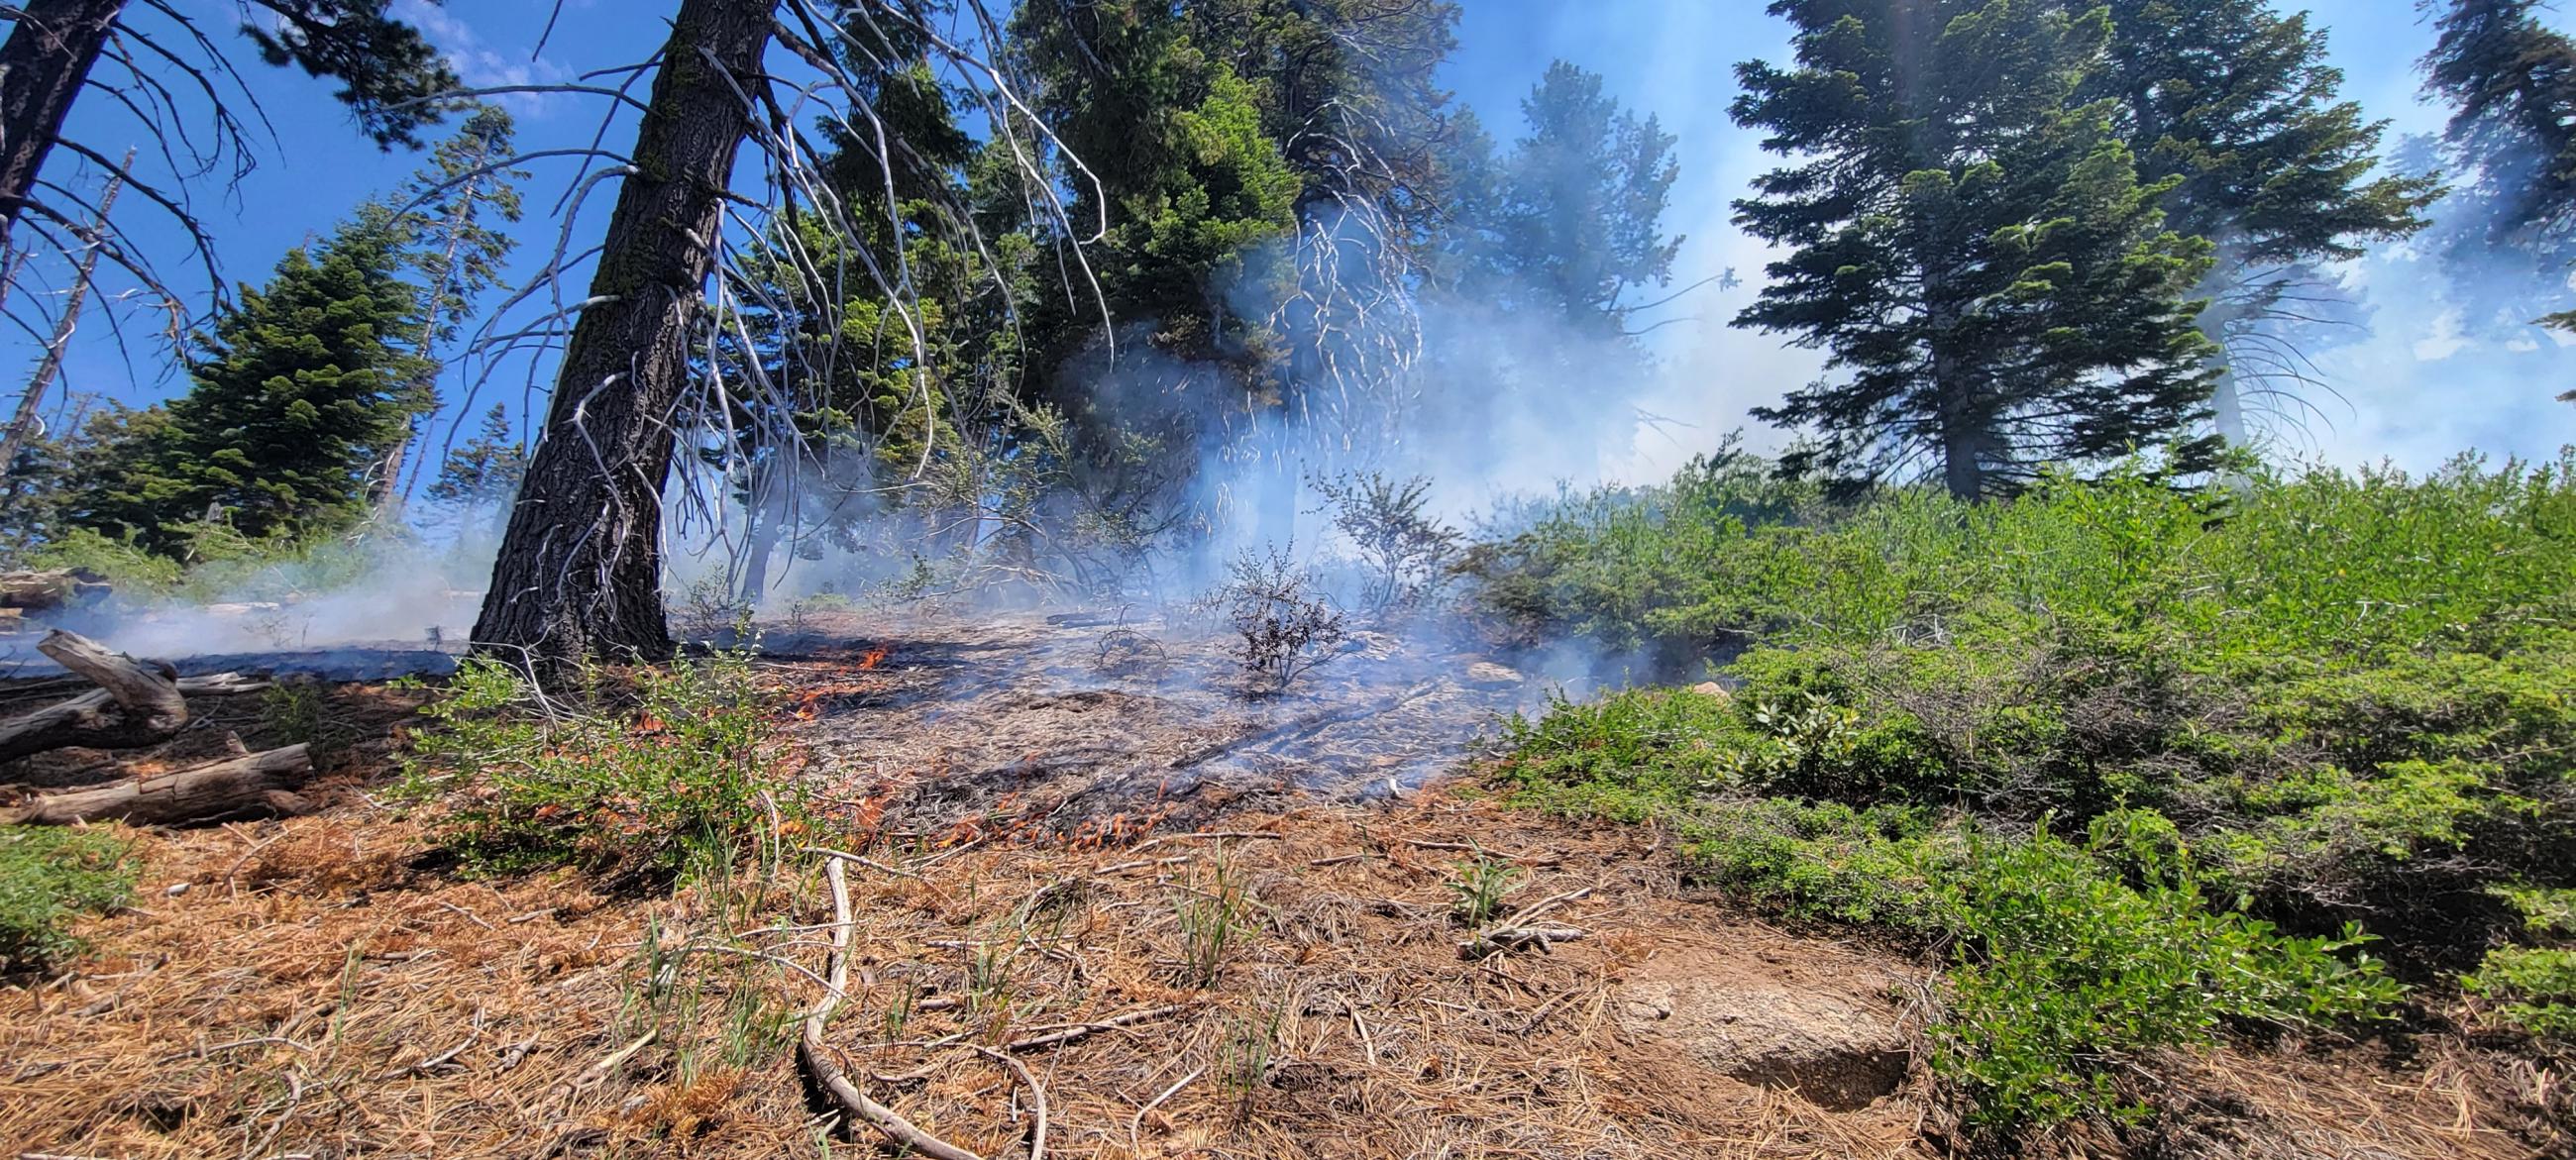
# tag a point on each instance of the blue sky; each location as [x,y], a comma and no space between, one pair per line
[2411,393]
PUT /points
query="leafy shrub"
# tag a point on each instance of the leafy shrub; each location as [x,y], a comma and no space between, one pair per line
[673,776]
[50,875]
[2273,711]
[2536,987]
[130,568]
[1481,884]
[2067,968]
[707,610]
[1404,552]
[1284,622]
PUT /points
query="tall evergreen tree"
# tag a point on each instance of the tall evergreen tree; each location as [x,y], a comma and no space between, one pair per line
[2511,81]
[295,393]
[1573,219]
[454,240]
[485,470]
[1543,252]
[1971,243]
[2235,104]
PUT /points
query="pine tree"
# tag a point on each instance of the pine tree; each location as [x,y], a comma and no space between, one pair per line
[454,243]
[1573,220]
[485,470]
[1544,251]
[1971,244]
[294,394]
[2511,81]
[1175,158]
[2235,104]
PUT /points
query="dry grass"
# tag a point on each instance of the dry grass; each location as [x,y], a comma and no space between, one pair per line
[312,992]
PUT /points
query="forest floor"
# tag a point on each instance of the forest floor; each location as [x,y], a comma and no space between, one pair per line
[1120,915]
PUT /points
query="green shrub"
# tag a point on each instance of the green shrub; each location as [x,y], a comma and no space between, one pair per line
[50,875]
[2272,710]
[673,777]
[131,569]
[2067,969]
[2536,988]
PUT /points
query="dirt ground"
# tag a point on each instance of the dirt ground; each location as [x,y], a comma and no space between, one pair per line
[1274,971]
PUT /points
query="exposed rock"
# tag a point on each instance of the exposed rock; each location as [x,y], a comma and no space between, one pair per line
[1488,675]
[1837,1053]
[1712,689]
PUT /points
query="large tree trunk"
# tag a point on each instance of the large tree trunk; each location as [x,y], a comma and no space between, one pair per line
[580,570]
[1964,439]
[44,63]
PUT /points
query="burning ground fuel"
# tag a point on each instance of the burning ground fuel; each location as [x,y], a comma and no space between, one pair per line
[1074,725]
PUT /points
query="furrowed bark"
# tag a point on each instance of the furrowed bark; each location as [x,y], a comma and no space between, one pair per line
[43,64]
[580,569]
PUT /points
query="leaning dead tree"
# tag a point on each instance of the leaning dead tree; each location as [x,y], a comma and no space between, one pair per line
[137,704]
[176,80]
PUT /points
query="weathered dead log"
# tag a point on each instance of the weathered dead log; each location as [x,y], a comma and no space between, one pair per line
[259,785]
[137,703]
[40,591]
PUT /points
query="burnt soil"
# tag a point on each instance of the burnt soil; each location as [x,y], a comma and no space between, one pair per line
[1014,722]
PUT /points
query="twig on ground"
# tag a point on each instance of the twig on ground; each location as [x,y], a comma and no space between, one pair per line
[598,1072]
[1037,1098]
[518,1052]
[1136,1125]
[827,1074]
[870,863]
[1204,836]
[1071,1032]
[1542,906]
[1500,939]
[432,1063]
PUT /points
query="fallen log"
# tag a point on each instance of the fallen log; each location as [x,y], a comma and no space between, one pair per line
[137,704]
[41,591]
[258,785]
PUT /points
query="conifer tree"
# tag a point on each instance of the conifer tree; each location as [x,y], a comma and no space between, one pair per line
[484,470]
[1574,218]
[1971,245]
[455,243]
[294,394]
[2236,105]
[2511,81]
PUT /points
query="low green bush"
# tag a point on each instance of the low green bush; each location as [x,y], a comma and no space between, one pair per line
[2273,712]
[649,782]
[50,875]
[2535,988]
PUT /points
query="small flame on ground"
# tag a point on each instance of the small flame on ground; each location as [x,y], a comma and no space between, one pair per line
[809,705]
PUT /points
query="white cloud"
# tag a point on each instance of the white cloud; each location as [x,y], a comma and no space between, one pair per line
[480,65]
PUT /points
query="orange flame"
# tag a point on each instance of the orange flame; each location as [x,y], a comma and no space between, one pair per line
[875,656]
